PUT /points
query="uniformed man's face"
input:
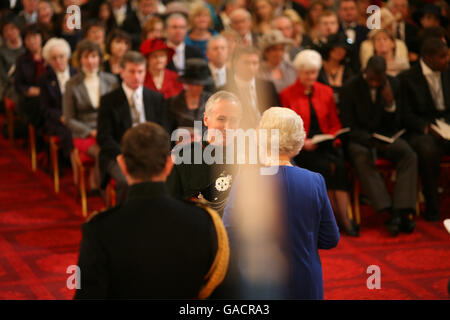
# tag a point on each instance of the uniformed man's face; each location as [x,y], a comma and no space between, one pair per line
[224,115]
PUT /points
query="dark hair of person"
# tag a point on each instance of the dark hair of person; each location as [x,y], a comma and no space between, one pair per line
[93,23]
[117,34]
[376,65]
[145,148]
[132,57]
[432,46]
[31,29]
[7,19]
[87,46]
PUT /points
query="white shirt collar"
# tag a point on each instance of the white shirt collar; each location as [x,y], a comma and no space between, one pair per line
[129,92]
[214,69]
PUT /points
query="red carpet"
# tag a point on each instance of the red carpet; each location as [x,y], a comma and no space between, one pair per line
[40,235]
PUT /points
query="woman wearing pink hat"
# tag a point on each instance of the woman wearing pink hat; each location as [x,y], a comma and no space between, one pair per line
[158,77]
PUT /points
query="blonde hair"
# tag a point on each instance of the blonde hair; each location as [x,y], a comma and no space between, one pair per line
[197,9]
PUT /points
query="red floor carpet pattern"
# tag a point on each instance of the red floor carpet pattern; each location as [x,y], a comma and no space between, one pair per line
[40,235]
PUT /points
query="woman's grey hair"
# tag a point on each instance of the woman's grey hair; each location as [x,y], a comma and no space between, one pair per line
[307,60]
[219,96]
[55,42]
[290,125]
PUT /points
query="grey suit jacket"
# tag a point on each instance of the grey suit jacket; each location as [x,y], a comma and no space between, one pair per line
[81,116]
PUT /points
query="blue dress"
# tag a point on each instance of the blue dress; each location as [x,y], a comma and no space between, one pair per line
[309,225]
[199,44]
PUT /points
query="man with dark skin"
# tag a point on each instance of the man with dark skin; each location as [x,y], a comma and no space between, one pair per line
[425,98]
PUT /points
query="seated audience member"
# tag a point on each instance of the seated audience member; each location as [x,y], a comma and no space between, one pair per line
[81,101]
[200,23]
[314,102]
[355,32]
[327,25]
[228,7]
[256,95]
[425,98]
[404,30]
[153,28]
[312,18]
[29,14]
[47,20]
[206,180]
[104,14]
[217,52]
[175,31]
[241,22]
[263,14]
[136,20]
[369,103]
[29,67]
[121,10]
[382,42]
[277,223]
[10,50]
[95,31]
[189,105]
[71,35]
[119,42]
[293,28]
[429,15]
[122,108]
[136,250]
[52,83]
[274,67]
[158,77]
[335,70]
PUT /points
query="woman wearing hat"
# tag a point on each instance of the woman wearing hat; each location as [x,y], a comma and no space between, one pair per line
[158,77]
[189,105]
[335,69]
[274,67]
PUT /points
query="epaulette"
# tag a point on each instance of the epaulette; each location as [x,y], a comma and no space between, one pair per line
[101,214]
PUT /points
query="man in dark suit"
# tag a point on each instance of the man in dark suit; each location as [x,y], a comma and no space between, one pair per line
[405,31]
[176,29]
[369,104]
[356,33]
[256,95]
[29,13]
[425,98]
[135,20]
[127,106]
[153,246]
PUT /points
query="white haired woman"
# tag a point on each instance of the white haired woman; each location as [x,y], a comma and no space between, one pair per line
[56,54]
[288,210]
[314,102]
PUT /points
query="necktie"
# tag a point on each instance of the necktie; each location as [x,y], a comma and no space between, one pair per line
[135,116]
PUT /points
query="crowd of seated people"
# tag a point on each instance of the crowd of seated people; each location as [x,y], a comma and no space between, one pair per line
[151,60]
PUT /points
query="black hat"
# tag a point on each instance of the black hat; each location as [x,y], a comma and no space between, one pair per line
[333,41]
[430,8]
[196,72]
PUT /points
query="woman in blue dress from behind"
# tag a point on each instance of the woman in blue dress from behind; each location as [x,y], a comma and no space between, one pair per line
[290,209]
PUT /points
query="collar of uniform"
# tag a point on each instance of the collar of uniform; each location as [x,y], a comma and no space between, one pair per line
[147,190]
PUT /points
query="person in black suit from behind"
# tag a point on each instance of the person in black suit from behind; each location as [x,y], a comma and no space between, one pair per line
[127,106]
[56,53]
[369,103]
[425,98]
[256,95]
[176,29]
[153,246]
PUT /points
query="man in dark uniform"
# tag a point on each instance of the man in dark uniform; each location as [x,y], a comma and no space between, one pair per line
[152,246]
[201,169]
